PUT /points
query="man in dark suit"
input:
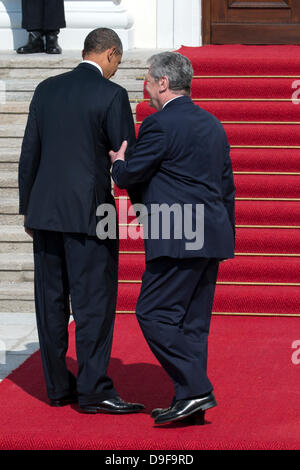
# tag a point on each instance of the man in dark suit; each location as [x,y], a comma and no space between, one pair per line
[42,18]
[64,174]
[181,168]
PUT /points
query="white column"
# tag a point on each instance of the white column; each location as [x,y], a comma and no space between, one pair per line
[165,23]
[144,13]
[82,16]
[178,23]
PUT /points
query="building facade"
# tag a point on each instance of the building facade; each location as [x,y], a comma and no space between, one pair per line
[140,23]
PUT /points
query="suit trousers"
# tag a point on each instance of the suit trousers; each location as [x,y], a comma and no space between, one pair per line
[82,269]
[174,312]
[43,15]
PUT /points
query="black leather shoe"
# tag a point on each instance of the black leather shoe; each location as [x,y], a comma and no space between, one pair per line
[52,46]
[195,419]
[35,44]
[112,405]
[158,411]
[63,401]
[186,408]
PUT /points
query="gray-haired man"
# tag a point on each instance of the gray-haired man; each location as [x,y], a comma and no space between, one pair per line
[181,157]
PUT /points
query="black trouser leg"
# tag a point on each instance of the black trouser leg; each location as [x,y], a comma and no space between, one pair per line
[92,267]
[52,311]
[43,15]
[174,312]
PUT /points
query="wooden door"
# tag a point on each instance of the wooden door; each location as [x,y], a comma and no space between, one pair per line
[251,22]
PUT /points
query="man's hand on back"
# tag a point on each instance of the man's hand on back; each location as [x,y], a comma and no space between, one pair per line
[120,155]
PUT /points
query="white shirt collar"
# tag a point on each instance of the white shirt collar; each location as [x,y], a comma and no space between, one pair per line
[93,63]
[172,99]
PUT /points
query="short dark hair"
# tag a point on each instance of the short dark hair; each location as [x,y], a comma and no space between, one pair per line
[101,39]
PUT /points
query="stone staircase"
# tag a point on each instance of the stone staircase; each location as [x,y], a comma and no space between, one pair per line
[20,75]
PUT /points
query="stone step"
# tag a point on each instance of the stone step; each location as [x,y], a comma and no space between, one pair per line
[8,166]
[10,59]
[17,306]
[19,290]
[8,179]
[20,107]
[10,143]
[9,206]
[12,130]
[15,242]
[9,155]
[30,73]
[9,212]
[22,90]
[18,96]
[40,74]
[11,219]
[14,112]
[16,268]
[15,119]
[21,96]
[9,192]
[28,84]
[15,248]
[9,160]
[16,276]
[16,261]
[17,296]
[12,234]
[134,58]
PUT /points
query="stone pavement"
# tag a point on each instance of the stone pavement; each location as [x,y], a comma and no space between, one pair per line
[18,340]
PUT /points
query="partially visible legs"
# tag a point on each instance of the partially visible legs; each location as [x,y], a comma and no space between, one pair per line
[42,18]
[174,312]
[92,266]
[52,311]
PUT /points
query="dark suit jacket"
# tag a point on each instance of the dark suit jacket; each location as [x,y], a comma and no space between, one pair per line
[182,157]
[64,172]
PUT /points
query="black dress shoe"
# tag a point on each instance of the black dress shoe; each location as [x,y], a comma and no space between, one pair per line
[63,401]
[186,408]
[112,405]
[35,44]
[195,419]
[158,411]
[52,46]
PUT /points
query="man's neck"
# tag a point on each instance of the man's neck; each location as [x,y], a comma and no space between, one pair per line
[171,98]
[88,61]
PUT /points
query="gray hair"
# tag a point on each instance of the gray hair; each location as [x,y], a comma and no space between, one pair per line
[176,67]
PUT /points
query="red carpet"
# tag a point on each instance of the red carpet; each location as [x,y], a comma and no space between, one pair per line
[244,60]
[250,89]
[257,299]
[250,364]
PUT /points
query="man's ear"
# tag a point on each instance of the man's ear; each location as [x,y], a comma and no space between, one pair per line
[110,53]
[164,83]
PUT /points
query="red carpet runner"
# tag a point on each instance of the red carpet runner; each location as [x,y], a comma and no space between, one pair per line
[250,358]
[251,90]
[250,364]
